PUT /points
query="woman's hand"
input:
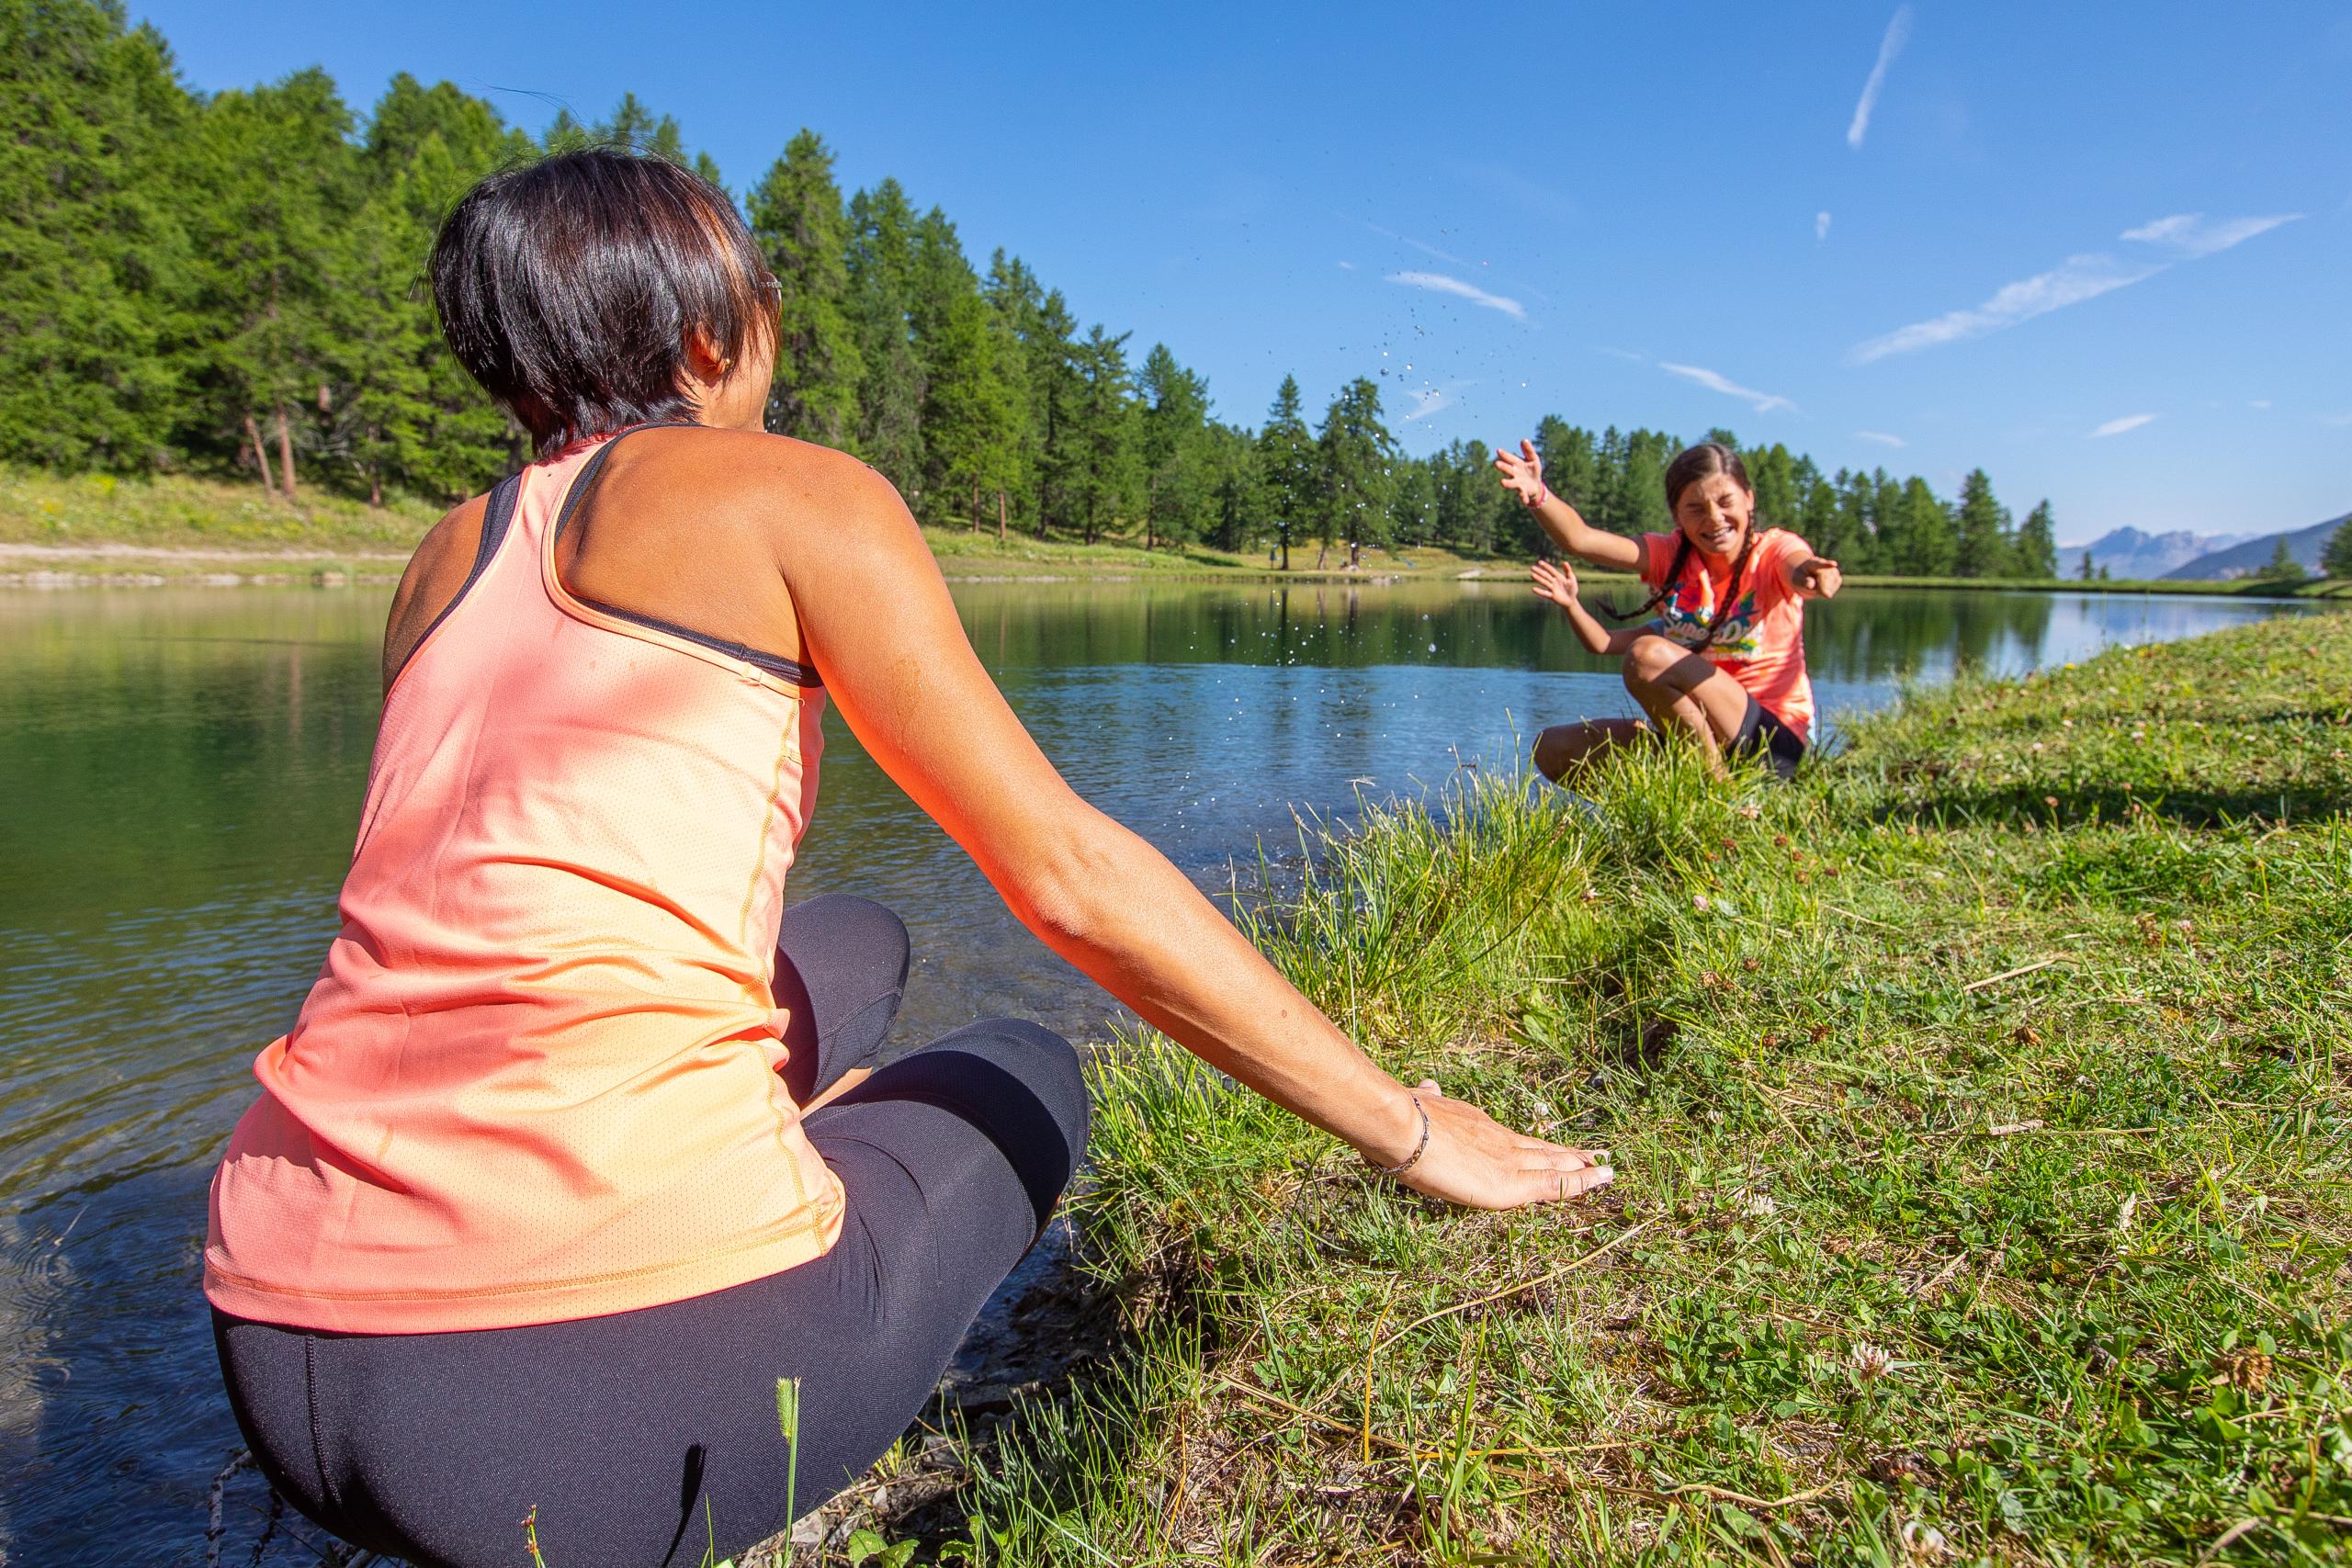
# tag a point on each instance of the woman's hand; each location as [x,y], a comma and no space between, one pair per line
[1815,575]
[1554,583]
[1476,1161]
[1523,474]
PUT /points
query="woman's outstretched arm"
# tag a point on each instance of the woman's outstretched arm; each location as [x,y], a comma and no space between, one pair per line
[1557,584]
[876,619]
[1522,474]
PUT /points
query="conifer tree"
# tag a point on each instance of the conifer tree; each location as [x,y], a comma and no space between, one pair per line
[1927,542]
[278,177]
[1101,481]
[967,413]
[1286,465]
[1983,541]
[803,234]
[1177,492]
[2335,556]
[93,262]
[2037,551]
[892,383]
[2282,567]
[1353,450]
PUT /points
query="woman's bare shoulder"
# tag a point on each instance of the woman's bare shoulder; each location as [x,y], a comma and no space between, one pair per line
[444,558]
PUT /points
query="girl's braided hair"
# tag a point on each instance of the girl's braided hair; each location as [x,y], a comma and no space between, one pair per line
[1693,464]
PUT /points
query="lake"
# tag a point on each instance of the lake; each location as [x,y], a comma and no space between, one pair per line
[183,771]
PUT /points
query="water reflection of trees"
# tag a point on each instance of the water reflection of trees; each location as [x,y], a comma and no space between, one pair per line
[1865,634]
[1869,635]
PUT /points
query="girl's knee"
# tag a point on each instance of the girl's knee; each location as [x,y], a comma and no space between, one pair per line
[1651,657]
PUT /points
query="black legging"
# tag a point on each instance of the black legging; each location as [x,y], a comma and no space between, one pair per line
[621,1431]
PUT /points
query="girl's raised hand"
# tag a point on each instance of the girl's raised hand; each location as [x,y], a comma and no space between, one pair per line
[1476,1161]
[1554,583]
[1522,473]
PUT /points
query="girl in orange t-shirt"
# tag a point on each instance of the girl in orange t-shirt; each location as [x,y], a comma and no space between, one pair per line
[1723,660]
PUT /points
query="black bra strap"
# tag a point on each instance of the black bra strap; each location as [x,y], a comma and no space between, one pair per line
[497,518]
[783,669]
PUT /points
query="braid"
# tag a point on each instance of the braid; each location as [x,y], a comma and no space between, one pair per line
[1674,576]
[1731,590]
[1665,587]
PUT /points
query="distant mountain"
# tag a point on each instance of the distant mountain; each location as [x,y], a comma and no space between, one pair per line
[2129,553]
[2246,559]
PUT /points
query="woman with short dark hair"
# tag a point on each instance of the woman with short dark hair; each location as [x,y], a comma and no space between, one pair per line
[580,1143]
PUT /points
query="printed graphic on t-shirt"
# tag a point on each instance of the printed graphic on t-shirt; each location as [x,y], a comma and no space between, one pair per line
[1688,607]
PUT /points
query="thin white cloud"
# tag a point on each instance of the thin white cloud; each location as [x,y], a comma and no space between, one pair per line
[2081,278]
[1763,403]
[2190,235]
[1882,438]
[2338,420]
[2258,403]
[2117,426]
[1624,353]
[1440,282]
[1820,227]
[1421,245]
[1428,400]
[1347,267]
[1898,33]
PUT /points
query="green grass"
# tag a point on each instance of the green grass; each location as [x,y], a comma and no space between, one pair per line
[183,513]
[1978,1106]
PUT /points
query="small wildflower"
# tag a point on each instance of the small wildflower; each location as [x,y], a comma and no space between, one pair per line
[1820,1032]
[1711,981]
[2026,1035]
[1769,1041]
[1749,964]
[1923,1542]
[2246,1370]
[1699,902]
[1870,1362]
[1760,1206]
[1750,810]
[2051,801]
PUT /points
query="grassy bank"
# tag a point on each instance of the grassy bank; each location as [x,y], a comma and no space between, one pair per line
[94,529]
[1978,1106]
[61,531]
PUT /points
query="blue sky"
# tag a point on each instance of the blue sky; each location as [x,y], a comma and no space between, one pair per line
[2105,260]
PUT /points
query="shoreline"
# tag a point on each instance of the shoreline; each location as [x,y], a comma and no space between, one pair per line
[115,564]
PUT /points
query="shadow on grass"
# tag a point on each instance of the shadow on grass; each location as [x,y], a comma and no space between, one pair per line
[1041,1402]
[2029,805]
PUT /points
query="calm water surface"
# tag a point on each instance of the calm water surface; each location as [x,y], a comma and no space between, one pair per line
[182,772]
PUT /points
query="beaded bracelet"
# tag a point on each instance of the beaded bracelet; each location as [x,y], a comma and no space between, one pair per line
[1418,1149]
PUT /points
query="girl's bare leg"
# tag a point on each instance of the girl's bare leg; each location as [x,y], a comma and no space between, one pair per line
[1687,697]
[1566,748]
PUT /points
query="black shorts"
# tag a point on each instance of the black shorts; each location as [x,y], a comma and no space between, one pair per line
[1761,732]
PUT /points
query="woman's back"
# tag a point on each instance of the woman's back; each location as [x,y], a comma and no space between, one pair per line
[542,1051]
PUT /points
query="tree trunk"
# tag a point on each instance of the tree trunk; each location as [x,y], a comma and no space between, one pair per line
[376,486]
[1285,549]
[261,459]
[1000,517]
[976,506]
[285,453]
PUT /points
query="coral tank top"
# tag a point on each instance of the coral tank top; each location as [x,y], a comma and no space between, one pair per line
[535,1080]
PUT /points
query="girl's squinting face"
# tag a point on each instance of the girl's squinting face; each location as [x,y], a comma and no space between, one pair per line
[1712,514]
